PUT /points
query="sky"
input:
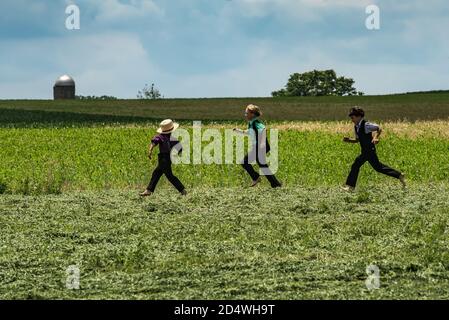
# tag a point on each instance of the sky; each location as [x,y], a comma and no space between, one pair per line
[220,48]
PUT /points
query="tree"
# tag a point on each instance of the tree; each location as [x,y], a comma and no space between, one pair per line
[344,86]
[149,92]
[317,83]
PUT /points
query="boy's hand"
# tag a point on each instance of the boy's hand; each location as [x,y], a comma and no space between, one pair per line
[375,140]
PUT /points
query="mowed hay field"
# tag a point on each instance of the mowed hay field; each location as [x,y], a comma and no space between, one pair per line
[70,175]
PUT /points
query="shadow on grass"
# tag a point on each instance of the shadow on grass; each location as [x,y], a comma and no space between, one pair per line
[18,118]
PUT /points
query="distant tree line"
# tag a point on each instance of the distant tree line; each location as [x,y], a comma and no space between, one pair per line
[427,92]
[317,83]
[95,98]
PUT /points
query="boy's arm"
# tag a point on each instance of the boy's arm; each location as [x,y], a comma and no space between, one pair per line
[150,150]
[239,131]
[177,146]
[349,140]
[376,135]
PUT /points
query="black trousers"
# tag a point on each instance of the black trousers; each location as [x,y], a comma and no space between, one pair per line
[260,157]
[373,160]
[164,167]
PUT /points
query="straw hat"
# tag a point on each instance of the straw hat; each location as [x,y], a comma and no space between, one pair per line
[167,126]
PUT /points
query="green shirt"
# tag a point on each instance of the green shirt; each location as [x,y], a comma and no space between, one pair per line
[258,125]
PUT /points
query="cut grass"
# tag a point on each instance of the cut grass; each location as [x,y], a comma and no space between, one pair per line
[292,243]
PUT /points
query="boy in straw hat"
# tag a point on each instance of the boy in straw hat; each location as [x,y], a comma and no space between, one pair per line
[166,143]
[260,147]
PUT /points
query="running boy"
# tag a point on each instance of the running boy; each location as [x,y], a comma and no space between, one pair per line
[260,147]
[367,134]
[166,144]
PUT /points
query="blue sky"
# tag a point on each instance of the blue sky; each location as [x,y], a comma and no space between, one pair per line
[220,48]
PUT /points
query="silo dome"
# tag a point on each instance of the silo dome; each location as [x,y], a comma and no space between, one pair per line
[64,88]
[65,81]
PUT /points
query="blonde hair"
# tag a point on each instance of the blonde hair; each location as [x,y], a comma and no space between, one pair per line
[254,109]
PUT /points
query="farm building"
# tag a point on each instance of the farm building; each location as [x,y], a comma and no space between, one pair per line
[64,88]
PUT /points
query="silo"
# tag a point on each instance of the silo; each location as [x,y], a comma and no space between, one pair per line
[64,88]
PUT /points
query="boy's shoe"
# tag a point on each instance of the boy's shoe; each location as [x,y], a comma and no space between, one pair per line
[348,188]
[402,179]
[146,193]
[256,182]
[184,192]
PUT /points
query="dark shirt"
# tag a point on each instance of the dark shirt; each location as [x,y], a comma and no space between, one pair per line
[166,143]
[369,127]
[365,137]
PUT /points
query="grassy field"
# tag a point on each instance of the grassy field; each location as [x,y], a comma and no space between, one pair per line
[294,243]
[71,171]
[410,107]
[36,161]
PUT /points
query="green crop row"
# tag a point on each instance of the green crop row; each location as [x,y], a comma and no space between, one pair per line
[35,161]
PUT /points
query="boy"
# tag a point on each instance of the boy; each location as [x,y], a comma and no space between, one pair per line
[367,134]
[166,144]
[260,147]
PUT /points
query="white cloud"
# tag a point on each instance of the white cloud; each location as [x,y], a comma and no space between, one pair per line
[306,9]
[112,64]
[268,70]
[114,10]
[117,64]
[411,53]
